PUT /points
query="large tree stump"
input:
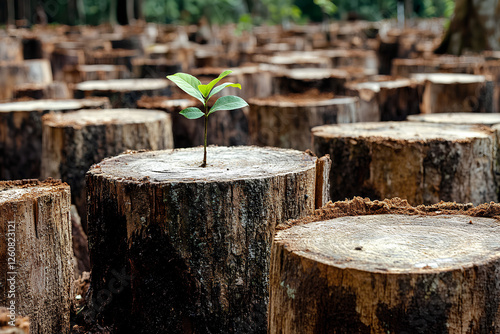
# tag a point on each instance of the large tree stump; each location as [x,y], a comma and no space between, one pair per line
[423,163]
[388,273]
[450,92]
[74,141]
[21,133]
[123,93]
[286,120]
[191,244]
[36,258]
[465,118]
[53,90]
[386,98]
[29,71]
[225,128]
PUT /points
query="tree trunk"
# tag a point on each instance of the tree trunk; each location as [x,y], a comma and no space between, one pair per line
[193,243]
[423,163]
[21,133]
[447,92]
[386,274]
[123,93]
[74,141]
[386,98]
[286,121]
[474,27]
[36,259]
[11,50]
[29,71]
[54,90]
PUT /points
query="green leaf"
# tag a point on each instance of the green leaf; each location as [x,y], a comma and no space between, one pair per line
[189,84]
[221,87]
[228,103]
[192,113]
[205,89]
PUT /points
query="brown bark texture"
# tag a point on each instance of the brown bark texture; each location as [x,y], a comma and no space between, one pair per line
[191,243]
[123,93]
[422,163]
[36,258]
[276,122]
[21,133]
[387,273]
[74,141]
[29,71]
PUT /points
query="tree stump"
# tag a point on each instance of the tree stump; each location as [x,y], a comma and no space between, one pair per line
[286,120]
[465,118]
[449,92]
[154,68]
[36,258]
[74,141]
[123,93]
[21,133]
[225,128]
[191,244]
[386,98]
[387,274]
[76,74]
[29,71]
[53,90]
[423,163]
[11,50]
[301,79]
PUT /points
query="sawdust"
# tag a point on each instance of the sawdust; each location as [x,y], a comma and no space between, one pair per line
[359,206]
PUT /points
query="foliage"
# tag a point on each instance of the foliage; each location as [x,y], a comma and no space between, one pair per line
[204,93]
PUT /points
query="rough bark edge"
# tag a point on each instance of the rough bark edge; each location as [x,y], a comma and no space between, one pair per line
[322,192]
[27,183]
[359,206]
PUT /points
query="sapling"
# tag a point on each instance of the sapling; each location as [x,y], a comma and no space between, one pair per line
[203,93]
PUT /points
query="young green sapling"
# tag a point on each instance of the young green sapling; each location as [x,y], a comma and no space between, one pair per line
[203,93]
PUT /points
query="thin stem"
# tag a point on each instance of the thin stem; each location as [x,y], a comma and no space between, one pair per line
[204,164]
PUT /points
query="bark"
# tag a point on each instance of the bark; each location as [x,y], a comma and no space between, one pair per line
[474,27]
[279,122]
[74,141]
[123,93]
[386,274]
[386,98]
[225,128]
[423,163]
[446,92]
[194,243]
[39,213]
[62,57]
[21,133]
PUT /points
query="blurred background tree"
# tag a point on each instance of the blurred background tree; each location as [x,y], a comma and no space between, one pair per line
[95,12]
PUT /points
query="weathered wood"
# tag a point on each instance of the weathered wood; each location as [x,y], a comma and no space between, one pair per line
[11,50]
[154,68]
[62,57]
[225,128]
[387,274]
[195,242]
[123,93]
[74,141]
[21,133]
[423,163]
[386,98]
[323,167]
[448,92]
[36,258]
[465,118]
[286,120]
